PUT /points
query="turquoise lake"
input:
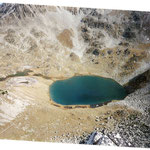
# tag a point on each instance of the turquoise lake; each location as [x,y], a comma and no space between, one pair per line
[86,90]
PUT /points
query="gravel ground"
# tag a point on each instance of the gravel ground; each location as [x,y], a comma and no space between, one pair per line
[139,100]
[132,131]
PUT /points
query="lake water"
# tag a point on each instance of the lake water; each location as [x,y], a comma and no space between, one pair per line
[86,90]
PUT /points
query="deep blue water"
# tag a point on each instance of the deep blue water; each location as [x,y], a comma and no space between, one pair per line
[86,90]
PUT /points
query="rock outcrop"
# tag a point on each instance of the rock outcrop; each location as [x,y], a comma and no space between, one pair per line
[107,43]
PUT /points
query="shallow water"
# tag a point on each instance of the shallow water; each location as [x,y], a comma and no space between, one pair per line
[86,90]
[17,74]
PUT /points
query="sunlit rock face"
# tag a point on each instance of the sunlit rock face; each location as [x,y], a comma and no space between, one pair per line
[86,90]
[65,41]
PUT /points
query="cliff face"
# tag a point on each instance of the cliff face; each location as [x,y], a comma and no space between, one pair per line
[58,42]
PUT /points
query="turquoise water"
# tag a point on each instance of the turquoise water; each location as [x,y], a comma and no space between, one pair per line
[86,90]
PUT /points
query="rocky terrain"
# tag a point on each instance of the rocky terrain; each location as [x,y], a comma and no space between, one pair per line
[42,44]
